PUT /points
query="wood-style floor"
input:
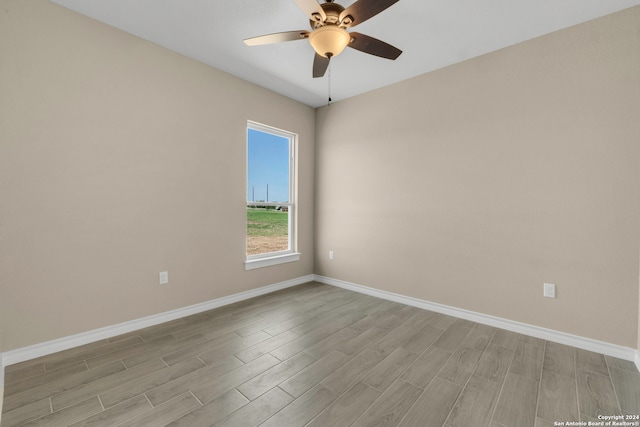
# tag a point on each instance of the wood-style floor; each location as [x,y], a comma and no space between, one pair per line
[318,355]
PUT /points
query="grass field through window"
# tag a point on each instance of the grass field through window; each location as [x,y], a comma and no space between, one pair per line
[267,231]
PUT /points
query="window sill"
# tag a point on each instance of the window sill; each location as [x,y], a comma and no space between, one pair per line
[251,264]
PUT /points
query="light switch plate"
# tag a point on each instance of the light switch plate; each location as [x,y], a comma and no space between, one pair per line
[549,290]
[164,277]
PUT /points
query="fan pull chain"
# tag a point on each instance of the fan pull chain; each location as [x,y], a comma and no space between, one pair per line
[329,86]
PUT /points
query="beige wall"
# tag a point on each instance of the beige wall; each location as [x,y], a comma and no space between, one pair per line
[120,159]
[473,185]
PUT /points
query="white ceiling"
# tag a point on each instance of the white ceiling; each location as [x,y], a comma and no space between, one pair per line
[431,33]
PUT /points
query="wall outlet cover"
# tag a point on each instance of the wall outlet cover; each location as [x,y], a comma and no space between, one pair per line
[549,290]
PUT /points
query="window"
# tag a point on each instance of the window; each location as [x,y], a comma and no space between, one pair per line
[271,208]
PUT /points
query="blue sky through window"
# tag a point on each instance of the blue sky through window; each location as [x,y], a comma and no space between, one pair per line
[268,164]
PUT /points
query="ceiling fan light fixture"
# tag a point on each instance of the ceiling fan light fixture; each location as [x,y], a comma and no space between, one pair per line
[329,40]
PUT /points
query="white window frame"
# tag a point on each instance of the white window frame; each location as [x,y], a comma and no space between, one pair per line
[289,255]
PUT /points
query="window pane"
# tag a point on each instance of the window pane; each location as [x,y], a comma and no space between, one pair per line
[267,229]
[269,203]
[268,167]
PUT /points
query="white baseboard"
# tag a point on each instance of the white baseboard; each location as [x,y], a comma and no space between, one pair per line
[49,347]
[602,347]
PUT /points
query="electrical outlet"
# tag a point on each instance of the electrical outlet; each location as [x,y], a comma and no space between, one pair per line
[330,254]
[164,277]
[549,290]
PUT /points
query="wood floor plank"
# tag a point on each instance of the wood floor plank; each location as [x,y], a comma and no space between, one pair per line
[494,363]
[347,408]
[476,403]
[409,334]
[303,409]
[59,386]
[257,411]
[361,341]
[286,325]
[557,398]
[370,304]
[128,389]
[205,391]
[391,406]
[386,372]
[337,310]
[155,331]
[452,337]
[591,362]
[466,323]
[272,377]
[265,346]
[461,365]
[317,314]
[417,318]
[560,359]
[301,343]
[344,377]
[222,351]
[517,404]
[214,327]
[275,318]
[81,392]
[596,395]
[70,415]
[527,361]
[313,374]
[627,387]
[325,346]
[442,321]
[433,406]
[621,364]
[58,360]
[506,339]
[24,414]
[226,341]
[544,423]
[184,383]
[47,377]
[393,319]
[166,413]
[117,414]
[213,411]
[161,350]
[422,340]
[20,372]
[480,336]
[527,339]
[138,348]
[426,367]
[414,321]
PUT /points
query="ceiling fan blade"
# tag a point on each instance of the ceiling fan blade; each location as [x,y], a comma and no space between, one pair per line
[373,46]
[362,10]
[312,9]
[320,65]
[285,36]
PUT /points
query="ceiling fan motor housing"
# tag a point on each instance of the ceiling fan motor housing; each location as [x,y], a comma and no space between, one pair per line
[332,11]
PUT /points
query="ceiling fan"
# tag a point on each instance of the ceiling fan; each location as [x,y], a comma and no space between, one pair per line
[328,37]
